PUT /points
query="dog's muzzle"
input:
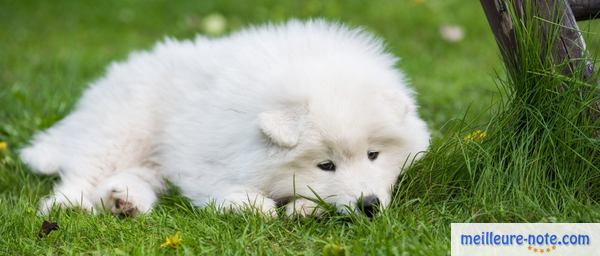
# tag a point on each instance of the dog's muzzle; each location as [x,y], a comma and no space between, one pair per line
[369,205]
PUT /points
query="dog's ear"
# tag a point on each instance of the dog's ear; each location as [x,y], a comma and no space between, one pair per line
[401,103]
[282,127]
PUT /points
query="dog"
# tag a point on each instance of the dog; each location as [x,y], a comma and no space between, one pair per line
[293,115]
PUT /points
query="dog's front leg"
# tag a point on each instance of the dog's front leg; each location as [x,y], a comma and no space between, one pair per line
[240,201]
[303,207]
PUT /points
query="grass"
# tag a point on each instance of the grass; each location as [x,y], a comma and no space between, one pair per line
[536,164]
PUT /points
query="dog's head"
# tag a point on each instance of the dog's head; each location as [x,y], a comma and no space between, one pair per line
[347,146]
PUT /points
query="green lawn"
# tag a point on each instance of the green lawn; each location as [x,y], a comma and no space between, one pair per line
[50,50]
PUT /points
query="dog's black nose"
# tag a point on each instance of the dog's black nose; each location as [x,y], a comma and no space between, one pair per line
[369,205]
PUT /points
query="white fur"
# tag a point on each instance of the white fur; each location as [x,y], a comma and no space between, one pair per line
[236,121]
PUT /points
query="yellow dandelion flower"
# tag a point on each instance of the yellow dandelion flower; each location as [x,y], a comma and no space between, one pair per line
[477,135]
[3,146]
[172,241]
[334,250]
[419,1]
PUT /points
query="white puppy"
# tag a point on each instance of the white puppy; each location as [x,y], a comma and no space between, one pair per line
[269,114]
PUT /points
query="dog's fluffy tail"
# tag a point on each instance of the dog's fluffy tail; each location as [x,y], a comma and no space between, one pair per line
[42,155]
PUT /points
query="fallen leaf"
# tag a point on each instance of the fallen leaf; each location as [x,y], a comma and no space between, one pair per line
[47,227]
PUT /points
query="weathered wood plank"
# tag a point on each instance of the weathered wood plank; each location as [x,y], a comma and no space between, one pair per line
[569,47]
[585,9]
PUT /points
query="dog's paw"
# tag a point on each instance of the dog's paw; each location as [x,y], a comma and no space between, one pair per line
[124,208]
[126,203]
[240,202]
[61,201]
[125,195]
[303,207]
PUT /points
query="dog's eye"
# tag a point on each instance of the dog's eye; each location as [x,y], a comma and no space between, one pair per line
[372,155]
[326,165]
